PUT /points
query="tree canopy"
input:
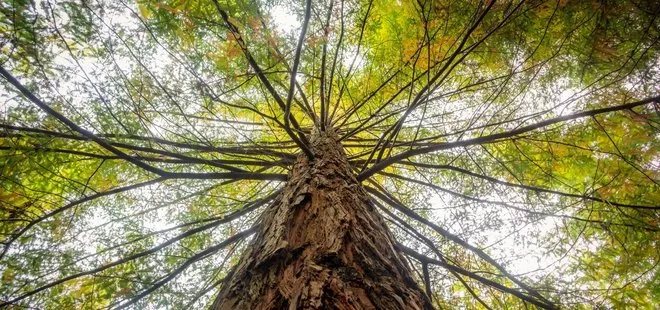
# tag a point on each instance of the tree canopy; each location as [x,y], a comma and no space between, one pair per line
[512,146]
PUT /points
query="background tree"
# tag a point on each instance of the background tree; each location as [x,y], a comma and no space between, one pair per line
[511,146]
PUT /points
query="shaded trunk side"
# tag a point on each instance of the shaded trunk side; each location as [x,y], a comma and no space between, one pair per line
[322,244]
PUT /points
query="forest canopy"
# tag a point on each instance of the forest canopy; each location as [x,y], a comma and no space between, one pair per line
[512,147]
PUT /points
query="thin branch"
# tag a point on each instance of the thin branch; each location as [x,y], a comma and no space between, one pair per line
[296,62]
[300,139]
[124,260]
[187,263]
[527,187]
[408,212]
[427,260]
[28,94]
[73,204]
[494,137]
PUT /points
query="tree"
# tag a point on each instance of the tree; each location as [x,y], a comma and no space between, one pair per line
[355,154]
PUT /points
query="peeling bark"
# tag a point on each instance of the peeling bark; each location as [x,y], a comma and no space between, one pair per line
[322,245]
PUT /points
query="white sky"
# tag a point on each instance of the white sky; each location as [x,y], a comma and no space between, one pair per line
[284,19]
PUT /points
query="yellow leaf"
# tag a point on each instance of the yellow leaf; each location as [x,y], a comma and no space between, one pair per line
[7,276]
[144,11]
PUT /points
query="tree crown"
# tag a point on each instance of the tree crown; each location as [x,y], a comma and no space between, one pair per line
[511,145]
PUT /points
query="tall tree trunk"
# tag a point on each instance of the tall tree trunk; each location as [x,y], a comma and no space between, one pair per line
[321,245]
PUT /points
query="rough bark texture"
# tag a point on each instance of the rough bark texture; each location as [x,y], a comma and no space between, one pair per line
[321,245]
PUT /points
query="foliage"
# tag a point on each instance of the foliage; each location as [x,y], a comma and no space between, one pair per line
[513,146]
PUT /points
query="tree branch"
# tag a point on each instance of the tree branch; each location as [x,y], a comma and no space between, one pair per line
[494,137]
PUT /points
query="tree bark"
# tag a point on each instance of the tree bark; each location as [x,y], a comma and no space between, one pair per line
[322,245]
